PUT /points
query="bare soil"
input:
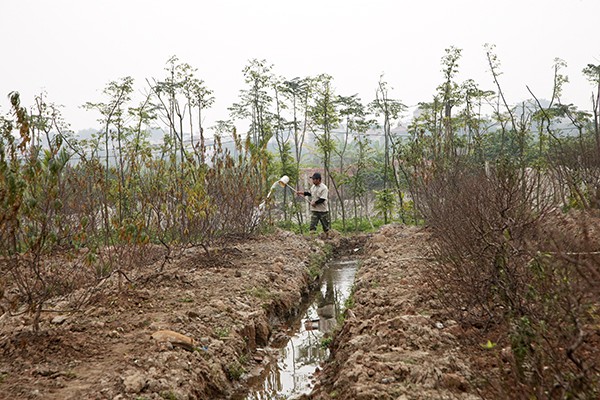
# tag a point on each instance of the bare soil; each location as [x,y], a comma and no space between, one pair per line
[394,343]
[228,303]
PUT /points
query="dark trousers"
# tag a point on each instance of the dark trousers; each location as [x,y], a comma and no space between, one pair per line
[322,216]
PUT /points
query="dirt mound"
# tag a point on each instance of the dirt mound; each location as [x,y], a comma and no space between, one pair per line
[225,304]
[392,345]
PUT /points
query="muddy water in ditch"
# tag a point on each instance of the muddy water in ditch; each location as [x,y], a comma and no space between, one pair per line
[289,375]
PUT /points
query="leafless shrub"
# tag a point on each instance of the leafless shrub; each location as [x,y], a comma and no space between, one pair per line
[575,167]
[233,184]
[32,280]
[481,223]
[510,260]
[562,307]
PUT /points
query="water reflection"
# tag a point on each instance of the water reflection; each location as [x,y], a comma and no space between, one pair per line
[291,375]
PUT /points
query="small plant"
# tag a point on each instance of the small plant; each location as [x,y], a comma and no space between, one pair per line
[70,375]
[222,332]
[260,292]
[326,341]
[385,203]
[522,338]
[317,260]
[314,270]
[168,395]
[235,371]
[185,300]
[328,250]
[489,345]
[315,264]
[349,302]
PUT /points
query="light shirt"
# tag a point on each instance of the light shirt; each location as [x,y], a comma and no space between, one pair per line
[319,192]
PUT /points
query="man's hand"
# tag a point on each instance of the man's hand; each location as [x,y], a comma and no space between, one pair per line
[299,193]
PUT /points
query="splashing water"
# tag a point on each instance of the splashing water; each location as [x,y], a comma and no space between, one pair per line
[258,211]
[283,182]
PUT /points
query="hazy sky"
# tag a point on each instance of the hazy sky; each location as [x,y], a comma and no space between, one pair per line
[72,48]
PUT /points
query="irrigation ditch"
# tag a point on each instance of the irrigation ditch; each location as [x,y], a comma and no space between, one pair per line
[302,345]
[249,320]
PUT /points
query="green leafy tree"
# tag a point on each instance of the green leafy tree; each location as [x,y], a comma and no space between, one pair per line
[352,112]
[32,194]
[358,179]
[286,93]
[388,109]
[325,118]
[112,117]
[201,98]
[255,104]
[451,97]
[256,101]
[474,122]
[507,122]
[298,92]
[592,73]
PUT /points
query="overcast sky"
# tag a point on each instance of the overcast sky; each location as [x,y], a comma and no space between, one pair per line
[72,48]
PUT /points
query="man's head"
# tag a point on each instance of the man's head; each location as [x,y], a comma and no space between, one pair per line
[316,178]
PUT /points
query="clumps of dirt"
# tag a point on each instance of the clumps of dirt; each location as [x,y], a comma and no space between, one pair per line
[345,245]
[393,344]
[224,305]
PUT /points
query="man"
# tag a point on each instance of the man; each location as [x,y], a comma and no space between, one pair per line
[319,206]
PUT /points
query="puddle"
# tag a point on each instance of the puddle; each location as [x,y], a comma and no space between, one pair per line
[290,375]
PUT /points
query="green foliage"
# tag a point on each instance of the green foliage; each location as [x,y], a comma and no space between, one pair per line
[385,203]
[318,259]
[348,304]
[185,300]
[359,225]
[356,225]
[235,370]
[521,338]
[314,268]
[259,292]
[489,345]
[592,73]
[255,102]
[324,115]
[222,332]
[168,395]
[495,147]
[326,342]
[389,109]
[243,359]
